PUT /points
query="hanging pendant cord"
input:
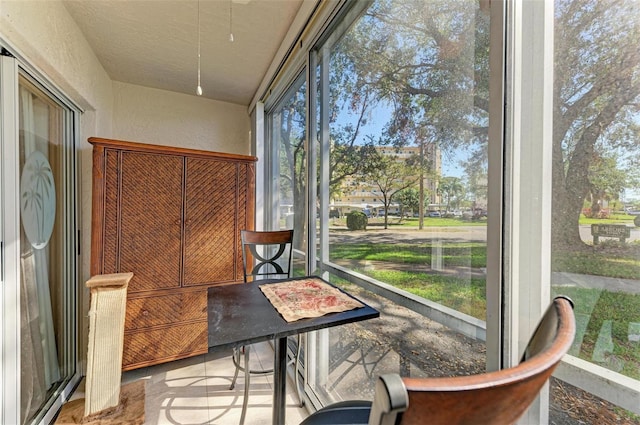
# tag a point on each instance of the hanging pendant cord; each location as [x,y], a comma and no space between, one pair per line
[231,20]
[199,88]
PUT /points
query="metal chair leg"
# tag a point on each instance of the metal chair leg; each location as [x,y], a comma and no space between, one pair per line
[297,372]
[247,376]
[236,362]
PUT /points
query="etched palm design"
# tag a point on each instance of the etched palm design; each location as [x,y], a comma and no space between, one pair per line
[36,191]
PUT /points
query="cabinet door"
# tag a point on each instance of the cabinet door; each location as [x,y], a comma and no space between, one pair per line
[143,211]
[211,222]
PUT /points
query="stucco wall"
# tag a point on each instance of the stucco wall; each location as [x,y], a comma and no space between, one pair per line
[43,35]
[161,117]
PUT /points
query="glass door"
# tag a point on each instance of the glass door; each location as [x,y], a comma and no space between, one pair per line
[43,276]
[287,127]
[403,119]
[595,215]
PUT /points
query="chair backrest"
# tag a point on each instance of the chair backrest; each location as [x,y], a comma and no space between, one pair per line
[266,253]
[499,397]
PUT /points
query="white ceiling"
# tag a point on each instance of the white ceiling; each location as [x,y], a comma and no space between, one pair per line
[154,43]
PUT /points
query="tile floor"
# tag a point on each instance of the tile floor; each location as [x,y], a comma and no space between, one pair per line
[195,391]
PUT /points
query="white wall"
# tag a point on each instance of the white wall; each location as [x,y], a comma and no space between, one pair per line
[43,35]
[46,37]
[161,117]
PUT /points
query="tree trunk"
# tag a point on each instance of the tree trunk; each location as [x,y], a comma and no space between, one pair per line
[571,189]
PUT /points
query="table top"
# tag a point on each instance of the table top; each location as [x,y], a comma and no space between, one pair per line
[240,314]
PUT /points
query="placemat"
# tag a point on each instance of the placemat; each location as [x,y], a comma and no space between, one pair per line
[307,298]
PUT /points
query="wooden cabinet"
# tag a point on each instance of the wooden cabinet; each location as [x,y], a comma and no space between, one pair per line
[173,217]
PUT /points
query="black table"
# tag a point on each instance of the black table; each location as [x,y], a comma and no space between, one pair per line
[240,314]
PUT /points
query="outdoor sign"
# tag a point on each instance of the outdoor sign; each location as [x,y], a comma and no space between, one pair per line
[619,231]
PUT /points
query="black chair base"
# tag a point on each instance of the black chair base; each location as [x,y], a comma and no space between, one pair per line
[353,412]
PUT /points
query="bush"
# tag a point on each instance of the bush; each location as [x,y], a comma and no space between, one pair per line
[357,220]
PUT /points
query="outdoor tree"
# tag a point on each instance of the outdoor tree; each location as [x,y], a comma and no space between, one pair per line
[350,109]
[475,186]
[428,61]
[391,175]
[289,128]
[606,181]
[408,199]
[596,103]
[426,64]
[451,189]
[423,68]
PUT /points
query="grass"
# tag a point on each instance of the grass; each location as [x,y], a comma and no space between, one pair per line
[594,307]
[596,264]
[464,295]
[458,254]
[438,222]
[613,219]
[412,222]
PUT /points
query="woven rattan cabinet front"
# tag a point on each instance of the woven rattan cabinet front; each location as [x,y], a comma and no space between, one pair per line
[173,217]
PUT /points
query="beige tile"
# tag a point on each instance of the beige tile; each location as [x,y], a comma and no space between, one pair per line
[177,407]
[195,391]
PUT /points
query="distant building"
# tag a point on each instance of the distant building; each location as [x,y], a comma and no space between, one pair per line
[358,194]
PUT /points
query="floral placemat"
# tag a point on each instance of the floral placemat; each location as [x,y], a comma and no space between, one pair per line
[307,298]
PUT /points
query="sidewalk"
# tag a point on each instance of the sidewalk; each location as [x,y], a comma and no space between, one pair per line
[613,284]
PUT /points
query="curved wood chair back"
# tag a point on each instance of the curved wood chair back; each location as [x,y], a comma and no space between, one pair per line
[266,253]
[499,397]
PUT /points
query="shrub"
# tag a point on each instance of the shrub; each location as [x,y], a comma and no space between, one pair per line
[357,220]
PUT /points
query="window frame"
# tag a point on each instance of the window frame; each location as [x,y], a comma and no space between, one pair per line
[521,67]
[12,67]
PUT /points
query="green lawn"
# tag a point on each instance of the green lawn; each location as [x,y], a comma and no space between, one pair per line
[613,219]
[465,296]
[459,254]
[593,307]
[412,222]
[597,263]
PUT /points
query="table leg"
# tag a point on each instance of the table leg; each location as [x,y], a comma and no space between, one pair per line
[280,381]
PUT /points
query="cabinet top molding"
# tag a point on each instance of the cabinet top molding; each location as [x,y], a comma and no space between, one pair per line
[145,147]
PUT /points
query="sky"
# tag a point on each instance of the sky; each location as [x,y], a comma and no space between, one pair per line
[375,126]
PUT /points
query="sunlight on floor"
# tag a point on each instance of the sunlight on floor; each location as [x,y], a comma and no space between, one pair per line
[196,391]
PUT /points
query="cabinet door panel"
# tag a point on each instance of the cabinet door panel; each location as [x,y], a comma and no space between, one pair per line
[211,234]
[182,306]
[111,207]
[154,346]
[151,220]
[244,222]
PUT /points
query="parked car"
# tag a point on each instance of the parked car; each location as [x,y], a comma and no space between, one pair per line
[451,214]
[434,214]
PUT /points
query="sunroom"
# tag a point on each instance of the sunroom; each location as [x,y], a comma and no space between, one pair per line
[498,142]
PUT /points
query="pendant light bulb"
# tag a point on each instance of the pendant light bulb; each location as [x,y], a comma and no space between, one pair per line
[199,90]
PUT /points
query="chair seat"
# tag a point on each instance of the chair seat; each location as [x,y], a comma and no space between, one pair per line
[353,412]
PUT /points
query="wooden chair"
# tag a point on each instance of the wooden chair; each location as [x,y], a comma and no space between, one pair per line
[499,397]
[265,254]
